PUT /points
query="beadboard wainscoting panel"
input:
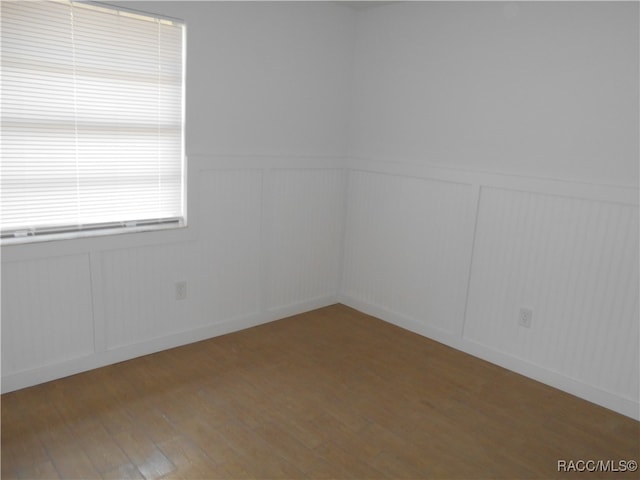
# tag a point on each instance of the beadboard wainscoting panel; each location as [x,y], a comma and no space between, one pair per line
[229,258]
[407,248]
[139,293]
[46,312]
[303,230]
[574,263]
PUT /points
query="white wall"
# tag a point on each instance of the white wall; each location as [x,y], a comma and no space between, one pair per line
[265,78]
[266,121]
[438,165]
[546,89]
[494,166]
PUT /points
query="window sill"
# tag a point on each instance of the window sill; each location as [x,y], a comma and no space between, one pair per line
[54,245]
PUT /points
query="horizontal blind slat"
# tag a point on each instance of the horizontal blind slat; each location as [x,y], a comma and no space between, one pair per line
[92,125]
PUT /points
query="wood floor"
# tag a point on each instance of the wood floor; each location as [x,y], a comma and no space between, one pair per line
[328,394]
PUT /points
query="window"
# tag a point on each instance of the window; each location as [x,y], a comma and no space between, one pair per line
[92,120]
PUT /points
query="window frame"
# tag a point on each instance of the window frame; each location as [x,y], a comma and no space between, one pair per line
[167,230]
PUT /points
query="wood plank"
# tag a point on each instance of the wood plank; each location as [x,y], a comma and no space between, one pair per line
[331,393]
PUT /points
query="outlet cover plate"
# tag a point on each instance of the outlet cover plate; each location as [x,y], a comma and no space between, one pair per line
[181,290]
[525,317]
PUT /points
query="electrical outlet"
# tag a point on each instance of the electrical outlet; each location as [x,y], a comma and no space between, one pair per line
[181,290]
[525,317]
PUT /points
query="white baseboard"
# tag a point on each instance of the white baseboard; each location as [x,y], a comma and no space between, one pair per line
[284,311]
[27,378]
[617,403]
[587,392]
[35,376]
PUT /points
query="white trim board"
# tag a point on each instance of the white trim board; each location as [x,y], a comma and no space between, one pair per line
[35,376]
[587,392]
[548,186]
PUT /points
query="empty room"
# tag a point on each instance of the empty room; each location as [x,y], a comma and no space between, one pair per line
[333,240]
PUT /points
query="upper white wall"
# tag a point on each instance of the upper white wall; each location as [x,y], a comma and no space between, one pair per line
[265,78]
[527,88]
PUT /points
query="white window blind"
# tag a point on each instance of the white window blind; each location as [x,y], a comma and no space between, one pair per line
[92,119]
